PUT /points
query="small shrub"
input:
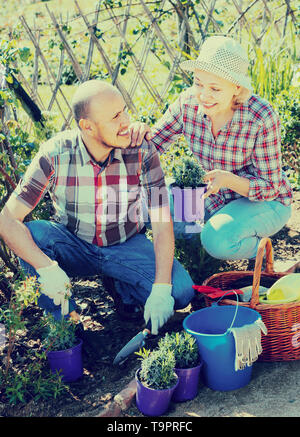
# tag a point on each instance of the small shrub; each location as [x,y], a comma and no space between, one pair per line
[60,334]
[21,383]
[20,386]
[184,347]
[157,369]
[188,173]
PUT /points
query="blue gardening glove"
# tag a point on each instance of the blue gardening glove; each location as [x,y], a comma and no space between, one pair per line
[159,306]
[55,284]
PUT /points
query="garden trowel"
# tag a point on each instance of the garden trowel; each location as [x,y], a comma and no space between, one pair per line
[133,345]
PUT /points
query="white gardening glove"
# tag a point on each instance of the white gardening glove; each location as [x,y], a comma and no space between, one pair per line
[159,306]
[55,284]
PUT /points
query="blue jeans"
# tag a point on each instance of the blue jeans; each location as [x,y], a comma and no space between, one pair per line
[132,263]
[234,232]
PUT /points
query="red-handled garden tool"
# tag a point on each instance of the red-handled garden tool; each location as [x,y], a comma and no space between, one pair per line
[133,345]
[215,293]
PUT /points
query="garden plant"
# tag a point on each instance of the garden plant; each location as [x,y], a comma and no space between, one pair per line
[59,334]
[157,368]
[188,173]
[184,347]
[35,381]
[187,363]
[156,381]
[63,348]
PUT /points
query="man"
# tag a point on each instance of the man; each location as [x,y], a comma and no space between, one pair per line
[96,184]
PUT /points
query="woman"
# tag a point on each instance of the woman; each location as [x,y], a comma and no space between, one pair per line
[236,137]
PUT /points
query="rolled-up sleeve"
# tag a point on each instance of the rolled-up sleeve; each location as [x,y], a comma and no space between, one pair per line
[35,182]
[266,159]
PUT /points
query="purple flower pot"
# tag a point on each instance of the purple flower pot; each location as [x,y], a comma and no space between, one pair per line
[188,203]
[187,387]
[152,402]
[68,362]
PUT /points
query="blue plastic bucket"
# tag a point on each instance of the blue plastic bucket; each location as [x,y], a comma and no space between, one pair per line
[212,329]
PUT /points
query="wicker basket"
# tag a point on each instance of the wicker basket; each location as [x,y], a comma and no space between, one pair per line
[282,343]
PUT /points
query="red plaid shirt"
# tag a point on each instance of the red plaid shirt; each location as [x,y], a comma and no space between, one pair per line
[248,146]
[102,206]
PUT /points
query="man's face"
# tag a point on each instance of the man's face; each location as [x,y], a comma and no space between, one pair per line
[110,120]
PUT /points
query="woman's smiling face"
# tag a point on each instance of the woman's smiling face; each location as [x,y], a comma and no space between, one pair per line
[214,93]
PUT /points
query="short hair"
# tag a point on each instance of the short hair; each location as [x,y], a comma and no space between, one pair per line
[84,94]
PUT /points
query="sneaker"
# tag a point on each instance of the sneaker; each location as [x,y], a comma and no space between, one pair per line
[124,311]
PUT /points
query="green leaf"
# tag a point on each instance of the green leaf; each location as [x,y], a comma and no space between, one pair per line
[9,79]
[24,54]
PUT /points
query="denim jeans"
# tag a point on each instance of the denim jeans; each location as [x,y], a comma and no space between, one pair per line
[235,231]
[132,263]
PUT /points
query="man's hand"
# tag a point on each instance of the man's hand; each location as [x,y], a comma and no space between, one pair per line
[139,131]
[56,285]
[159,306]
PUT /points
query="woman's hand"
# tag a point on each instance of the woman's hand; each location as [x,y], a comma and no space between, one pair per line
[216,179]
[139,131]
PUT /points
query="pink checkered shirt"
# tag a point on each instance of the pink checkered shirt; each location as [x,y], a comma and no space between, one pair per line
[102,206]
[248,146]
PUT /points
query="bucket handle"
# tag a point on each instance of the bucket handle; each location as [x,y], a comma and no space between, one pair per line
[236,309]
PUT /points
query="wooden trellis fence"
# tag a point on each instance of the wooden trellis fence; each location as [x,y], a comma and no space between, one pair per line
[125,54]
[136,45]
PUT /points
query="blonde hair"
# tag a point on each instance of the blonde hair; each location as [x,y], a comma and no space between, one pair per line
[241,97]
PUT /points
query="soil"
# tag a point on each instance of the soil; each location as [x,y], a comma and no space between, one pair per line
[102,381]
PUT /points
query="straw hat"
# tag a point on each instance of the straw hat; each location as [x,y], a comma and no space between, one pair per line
[224,57]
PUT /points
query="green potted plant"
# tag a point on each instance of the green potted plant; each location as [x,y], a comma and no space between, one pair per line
[63,348]
[156,381]
[188,189]
[187,363]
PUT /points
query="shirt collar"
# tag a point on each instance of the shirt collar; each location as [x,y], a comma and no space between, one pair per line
[117,154]
[85,157]
[84,154]
[241,114]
